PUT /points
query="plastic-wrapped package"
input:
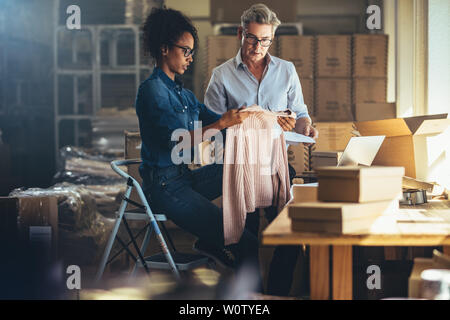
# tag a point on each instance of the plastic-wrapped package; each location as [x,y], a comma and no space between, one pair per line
[85,218]
[78,204]
[80,166]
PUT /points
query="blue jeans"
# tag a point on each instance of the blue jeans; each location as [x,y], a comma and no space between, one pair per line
[184,196]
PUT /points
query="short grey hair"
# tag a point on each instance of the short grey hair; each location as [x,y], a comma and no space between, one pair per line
[260,13]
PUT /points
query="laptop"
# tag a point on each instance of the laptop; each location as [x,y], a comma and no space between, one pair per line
[360,151]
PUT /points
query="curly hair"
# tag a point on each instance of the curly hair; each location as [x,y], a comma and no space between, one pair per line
[163,27]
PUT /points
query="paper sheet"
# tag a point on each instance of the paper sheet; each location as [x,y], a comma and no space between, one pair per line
[295,138]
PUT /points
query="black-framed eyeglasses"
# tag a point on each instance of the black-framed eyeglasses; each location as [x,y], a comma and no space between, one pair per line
[187,51]
[254,40]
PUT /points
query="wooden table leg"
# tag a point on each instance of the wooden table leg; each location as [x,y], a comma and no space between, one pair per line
[342,273]
[319,258]
[447,250]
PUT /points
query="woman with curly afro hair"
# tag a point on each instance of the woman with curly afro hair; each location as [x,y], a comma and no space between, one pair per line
[163,106]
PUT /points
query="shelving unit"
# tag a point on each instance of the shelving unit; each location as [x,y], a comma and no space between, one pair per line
[94,58]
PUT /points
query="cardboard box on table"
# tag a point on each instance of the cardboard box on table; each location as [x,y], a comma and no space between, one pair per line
[338,217]
[409,143]
[304,192]
[325,158]
[359,184]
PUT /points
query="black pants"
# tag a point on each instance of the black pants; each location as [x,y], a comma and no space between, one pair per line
[282,266]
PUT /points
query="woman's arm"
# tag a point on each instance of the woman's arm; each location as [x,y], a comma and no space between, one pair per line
[228,119]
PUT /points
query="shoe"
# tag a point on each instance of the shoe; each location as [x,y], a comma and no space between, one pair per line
[223,256]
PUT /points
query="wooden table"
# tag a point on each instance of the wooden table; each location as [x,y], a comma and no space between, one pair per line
[386,231]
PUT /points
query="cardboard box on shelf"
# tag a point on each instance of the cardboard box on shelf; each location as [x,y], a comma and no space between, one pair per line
[230,11]
[304,192]
[300,51]
[333,100]
[325,158]
[298,157]
[359,184]
[333,136]
[30,219]
[274,47]
[338,217]
[333,56]
[374,111]
[369,90]
[219,50]
[308,94]
[370,55]
[408,143]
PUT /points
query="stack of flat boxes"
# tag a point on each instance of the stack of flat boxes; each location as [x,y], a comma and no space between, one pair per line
[350,200]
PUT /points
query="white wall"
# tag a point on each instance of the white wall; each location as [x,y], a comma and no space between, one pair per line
[439,56]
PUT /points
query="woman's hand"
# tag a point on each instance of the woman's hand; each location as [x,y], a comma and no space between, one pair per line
[233,117]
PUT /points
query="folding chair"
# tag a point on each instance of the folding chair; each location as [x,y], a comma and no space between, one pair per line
[167,260]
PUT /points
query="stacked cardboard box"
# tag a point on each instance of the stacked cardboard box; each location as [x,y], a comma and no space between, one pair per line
[350,200]
[333,84]
[300,51]
[332,140]
[219,49]
[369,56]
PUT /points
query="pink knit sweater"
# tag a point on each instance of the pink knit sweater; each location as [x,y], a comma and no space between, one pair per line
[256,173]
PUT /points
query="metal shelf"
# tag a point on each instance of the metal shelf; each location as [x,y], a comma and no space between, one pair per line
[98,35]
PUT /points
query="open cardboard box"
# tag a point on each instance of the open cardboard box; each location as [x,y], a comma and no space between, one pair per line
[409,144]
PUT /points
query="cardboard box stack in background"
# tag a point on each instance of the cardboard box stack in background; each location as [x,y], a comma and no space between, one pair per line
[369,72]
[230,11]
[219,49]
[333,86]
[350,200]
[300,51]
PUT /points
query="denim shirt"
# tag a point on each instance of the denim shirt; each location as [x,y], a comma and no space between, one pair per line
[162,106]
